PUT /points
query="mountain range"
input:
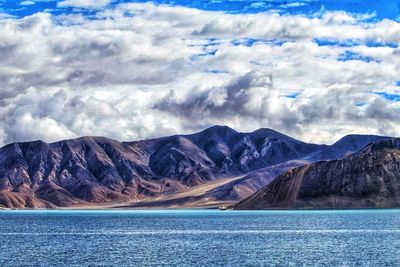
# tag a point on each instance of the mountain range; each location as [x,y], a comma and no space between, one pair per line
[217,166]
[369,178]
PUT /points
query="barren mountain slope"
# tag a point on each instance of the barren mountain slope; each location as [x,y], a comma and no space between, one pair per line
[369,178]
[91,170]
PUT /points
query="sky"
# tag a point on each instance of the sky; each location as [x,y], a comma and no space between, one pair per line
[128,70]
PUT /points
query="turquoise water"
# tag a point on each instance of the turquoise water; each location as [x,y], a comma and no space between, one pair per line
[200,238]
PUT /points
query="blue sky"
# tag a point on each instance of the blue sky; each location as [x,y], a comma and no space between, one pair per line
[129,70]
[389,9]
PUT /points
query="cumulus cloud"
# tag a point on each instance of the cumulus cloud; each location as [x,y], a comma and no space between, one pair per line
[84,3]
[136,71]
[236,97]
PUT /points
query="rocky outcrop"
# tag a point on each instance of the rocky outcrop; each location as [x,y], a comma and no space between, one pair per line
[368,178]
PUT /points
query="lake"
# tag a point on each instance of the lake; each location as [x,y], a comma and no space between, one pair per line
[200,238]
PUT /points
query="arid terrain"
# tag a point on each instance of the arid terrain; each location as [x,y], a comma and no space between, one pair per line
[369,178]
[216,167]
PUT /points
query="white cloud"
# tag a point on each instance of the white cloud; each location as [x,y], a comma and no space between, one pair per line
[84,3]
[27,3]
[6,16]
[142,70]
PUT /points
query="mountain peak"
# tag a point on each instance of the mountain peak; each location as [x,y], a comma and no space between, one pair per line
[271,133]
[355,140]
[220,128]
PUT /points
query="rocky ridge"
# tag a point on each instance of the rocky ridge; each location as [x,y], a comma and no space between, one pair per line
[369,178]
[94,170]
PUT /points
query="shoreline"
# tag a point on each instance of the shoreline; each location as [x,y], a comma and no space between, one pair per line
[80,209]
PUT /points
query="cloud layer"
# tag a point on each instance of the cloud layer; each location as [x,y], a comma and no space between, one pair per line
[135,71]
